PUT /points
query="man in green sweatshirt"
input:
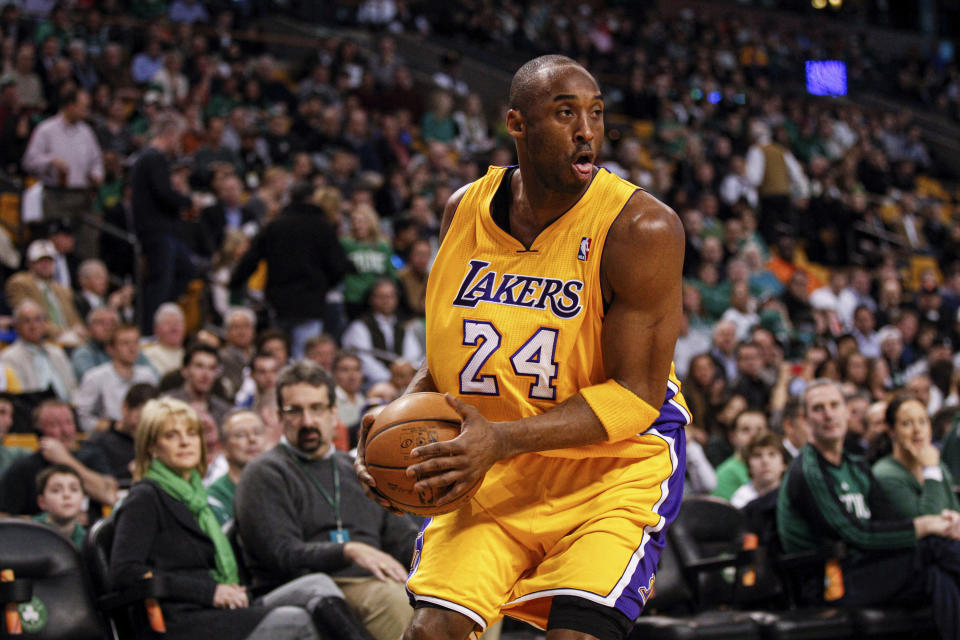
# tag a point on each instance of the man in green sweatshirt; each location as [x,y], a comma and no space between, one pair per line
[828,496]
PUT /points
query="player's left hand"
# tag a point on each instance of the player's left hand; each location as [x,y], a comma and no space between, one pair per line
[462,461]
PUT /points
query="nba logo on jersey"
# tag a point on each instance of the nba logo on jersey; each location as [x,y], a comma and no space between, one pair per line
[584,248]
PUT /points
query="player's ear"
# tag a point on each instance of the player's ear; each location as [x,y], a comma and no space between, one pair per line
[515,124]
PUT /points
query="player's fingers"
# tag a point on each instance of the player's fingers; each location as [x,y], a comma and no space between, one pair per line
[434,466]
[453,447]
[377,497]
[457,490]
[439,481]
[363,474]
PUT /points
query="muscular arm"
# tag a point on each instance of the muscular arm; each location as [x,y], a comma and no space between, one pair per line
[641,276]
[422,379]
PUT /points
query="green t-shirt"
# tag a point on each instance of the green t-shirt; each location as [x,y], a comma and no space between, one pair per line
[220,495]
[908,496]
[370,261]
[732,474]
[76,536]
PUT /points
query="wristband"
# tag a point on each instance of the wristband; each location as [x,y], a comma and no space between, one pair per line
[622,413]
[933,473]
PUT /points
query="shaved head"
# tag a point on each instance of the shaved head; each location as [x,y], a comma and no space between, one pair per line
[527,79]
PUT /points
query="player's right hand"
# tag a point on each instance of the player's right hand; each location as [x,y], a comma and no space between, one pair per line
[360,464]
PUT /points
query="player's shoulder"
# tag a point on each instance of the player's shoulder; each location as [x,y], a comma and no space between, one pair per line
[646,221]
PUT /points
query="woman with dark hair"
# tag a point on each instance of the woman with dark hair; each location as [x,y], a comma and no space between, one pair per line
[700,392]
[166,528]
[854,369]
[912,476]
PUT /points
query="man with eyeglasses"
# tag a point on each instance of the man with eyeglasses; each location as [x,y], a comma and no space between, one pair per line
[244,438]
[300,509]
[201,367]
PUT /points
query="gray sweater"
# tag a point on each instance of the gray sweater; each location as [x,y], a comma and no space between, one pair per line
[284,521]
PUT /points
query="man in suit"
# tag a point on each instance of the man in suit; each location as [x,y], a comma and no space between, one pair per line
[37,284]
[38,365]
[381,336]
[91,291]
[227,213]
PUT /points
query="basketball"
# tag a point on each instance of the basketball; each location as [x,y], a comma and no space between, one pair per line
[406,423]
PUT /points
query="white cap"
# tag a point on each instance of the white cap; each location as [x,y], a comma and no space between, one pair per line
[41,249]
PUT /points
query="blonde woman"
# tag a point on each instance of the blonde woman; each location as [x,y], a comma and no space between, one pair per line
[166,527]
[370,254]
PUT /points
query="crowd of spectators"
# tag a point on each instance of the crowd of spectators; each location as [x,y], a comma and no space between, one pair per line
[288,208]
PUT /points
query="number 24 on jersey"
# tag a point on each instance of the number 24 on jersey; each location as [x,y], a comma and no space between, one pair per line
[534,358]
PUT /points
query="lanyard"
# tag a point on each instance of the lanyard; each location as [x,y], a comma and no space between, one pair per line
[334,502]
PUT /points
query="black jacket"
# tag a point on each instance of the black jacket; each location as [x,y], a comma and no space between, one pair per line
[304,260]
[157,533]
[156,206]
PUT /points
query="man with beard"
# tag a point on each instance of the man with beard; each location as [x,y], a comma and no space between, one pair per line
[300,509]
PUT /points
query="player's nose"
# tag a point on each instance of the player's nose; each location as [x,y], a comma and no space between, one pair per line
[585,129]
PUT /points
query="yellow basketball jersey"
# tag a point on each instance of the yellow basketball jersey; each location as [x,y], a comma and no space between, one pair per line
[514,331]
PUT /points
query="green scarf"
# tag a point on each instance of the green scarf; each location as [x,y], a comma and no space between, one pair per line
[194,496]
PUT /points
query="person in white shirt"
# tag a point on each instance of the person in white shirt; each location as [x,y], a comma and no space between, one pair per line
[65,155]
[741,311]
[855,295]
[827,298]
[103,388]
[766,463]
[736,186]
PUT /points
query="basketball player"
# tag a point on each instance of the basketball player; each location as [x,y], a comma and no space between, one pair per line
[552,312]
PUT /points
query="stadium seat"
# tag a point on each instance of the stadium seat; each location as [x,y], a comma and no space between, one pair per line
[61,605]
[670,614]
[125,609]
[709,534]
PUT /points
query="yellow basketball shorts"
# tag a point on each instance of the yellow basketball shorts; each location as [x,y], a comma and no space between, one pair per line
[545,526]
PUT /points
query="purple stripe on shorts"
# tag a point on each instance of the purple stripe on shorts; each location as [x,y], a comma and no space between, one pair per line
[635,594]
[417,554]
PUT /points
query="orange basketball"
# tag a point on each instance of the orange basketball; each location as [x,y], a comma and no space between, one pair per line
[406,423]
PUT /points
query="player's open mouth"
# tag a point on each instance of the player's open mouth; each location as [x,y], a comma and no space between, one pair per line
[583,165]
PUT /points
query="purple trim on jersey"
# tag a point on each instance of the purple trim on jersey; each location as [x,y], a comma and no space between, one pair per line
[634,596]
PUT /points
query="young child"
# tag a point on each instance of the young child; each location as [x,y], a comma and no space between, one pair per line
[60,496]
[732,473]
[766,462]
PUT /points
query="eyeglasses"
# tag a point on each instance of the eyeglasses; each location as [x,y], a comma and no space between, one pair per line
[296,413]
